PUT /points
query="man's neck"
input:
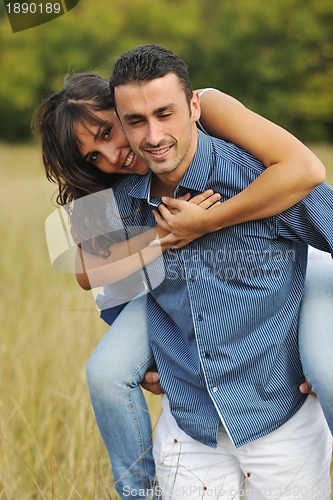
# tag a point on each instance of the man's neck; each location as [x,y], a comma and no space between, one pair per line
[162,185]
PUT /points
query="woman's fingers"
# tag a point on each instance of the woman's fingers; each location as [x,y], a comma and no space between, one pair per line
[185,197]
[204,200]
[160,219]
[199,198]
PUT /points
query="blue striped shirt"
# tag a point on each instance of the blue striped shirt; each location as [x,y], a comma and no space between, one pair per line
[223,323]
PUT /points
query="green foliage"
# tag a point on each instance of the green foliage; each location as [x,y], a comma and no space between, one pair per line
[276,57]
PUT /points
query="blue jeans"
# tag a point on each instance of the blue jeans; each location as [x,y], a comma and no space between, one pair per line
[114,371]
[316,333]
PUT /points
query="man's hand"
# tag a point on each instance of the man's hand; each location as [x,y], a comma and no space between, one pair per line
[305,388]
[151,383]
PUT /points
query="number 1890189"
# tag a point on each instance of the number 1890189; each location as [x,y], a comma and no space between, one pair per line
[33,8]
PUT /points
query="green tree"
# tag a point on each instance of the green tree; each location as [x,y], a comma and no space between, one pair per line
[276,57]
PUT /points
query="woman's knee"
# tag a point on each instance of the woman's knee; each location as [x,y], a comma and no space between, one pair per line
[108,374]
[94,376]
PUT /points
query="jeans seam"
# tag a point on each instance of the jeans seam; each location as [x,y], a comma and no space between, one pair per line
[132,379]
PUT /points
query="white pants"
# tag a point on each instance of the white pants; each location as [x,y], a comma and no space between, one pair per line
[290,463]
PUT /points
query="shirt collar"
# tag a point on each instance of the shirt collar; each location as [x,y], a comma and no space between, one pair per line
[197,174]
[141,186]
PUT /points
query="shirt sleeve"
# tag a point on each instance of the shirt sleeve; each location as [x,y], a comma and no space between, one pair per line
[310,220]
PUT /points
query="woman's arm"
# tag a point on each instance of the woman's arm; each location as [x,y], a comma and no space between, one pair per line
[292,170]
[127,257]
[225,117]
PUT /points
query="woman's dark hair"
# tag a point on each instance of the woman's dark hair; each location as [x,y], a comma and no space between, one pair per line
[82,95]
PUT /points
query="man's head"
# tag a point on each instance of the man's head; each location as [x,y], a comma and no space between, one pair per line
[147,62]
[157,108]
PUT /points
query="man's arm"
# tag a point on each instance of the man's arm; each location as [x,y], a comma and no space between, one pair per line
[310,220]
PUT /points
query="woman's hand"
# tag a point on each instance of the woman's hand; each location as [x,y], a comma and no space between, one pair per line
[126,257]
[185,220]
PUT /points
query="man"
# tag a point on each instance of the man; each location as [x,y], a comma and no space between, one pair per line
[223,323]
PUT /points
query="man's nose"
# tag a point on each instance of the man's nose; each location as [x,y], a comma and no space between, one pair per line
[154,134]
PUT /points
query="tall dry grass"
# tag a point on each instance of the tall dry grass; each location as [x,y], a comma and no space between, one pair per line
[50,447]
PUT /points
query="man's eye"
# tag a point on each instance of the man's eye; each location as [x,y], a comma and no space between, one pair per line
[165,115]
[134,122]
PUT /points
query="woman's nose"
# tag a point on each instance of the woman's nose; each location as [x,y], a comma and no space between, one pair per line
[111,154]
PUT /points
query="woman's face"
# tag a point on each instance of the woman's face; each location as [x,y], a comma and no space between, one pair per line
[106,146]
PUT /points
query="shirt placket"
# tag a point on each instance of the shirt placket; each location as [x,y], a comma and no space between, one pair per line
[193,267]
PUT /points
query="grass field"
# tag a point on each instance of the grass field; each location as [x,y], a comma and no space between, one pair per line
[50,447]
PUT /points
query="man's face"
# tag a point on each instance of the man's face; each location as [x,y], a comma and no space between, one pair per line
[158,123]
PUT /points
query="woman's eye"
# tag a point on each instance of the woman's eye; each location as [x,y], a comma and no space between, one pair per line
[94,156]
[107,134]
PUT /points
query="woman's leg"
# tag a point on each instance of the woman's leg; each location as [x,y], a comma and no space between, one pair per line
[114,371]
[316,333]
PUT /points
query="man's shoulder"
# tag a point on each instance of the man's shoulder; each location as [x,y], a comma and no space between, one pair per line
[235,155]
[227,150]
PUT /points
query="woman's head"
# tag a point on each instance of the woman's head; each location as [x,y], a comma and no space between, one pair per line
[82,141]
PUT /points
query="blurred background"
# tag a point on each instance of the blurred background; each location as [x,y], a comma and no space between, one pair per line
[276,57]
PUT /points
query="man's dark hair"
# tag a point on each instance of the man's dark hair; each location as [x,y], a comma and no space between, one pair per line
[147,62]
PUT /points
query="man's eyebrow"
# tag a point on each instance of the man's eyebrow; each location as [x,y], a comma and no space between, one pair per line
[166,107]
[161,109]
[131,116]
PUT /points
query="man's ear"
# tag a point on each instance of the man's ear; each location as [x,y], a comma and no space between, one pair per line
[195,106]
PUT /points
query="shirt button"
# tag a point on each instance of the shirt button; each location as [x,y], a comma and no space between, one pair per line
[200,317]
[207,355]
[215,389]
[192,278]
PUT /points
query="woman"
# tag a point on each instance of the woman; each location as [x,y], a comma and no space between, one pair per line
[82,145]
